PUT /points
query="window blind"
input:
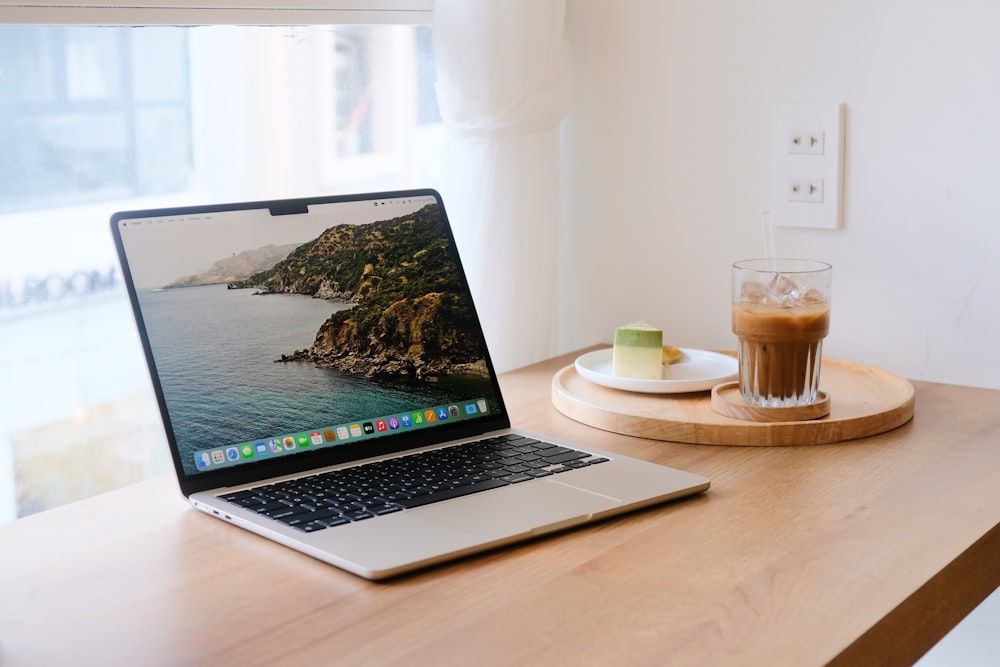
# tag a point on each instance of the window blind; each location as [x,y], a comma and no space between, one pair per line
[208,12]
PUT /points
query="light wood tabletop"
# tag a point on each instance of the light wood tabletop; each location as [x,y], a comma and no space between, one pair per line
[861,552]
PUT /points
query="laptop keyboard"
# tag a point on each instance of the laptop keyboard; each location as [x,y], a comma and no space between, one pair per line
[341,496]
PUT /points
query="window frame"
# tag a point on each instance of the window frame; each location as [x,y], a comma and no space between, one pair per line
[219,12]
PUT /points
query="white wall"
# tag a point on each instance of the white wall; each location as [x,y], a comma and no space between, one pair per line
[668,169]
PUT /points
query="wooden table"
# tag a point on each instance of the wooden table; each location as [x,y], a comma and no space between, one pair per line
[865,552]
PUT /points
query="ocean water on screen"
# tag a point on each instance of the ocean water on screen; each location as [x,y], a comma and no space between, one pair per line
[216,351]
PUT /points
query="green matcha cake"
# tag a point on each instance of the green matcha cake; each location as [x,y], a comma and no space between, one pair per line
[638,351]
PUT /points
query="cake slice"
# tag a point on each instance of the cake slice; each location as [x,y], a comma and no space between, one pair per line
[638,351]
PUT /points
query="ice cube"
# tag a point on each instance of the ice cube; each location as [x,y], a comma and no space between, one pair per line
[782,291]
[753,292]
[812,297]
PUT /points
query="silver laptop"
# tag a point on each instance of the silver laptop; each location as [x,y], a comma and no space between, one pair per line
[324,382]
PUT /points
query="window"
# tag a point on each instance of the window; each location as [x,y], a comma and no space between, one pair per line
[99,119]
[92,114]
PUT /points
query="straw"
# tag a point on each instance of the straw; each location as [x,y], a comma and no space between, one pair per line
[768,230]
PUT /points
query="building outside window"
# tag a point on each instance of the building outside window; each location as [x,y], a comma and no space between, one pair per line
[92,114]
[99,119]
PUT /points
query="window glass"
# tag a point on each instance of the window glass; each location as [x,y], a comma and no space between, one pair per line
[91,114]
[99,119]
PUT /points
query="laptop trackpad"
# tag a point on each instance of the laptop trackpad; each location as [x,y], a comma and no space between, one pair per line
[517,509]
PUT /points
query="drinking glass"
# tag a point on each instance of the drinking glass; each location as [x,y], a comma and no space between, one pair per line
[781,314]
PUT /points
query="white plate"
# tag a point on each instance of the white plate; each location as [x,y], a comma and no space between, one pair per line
[697,370]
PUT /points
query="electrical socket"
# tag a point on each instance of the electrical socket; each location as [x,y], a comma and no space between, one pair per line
[807,152]
[806,142]
[805,190]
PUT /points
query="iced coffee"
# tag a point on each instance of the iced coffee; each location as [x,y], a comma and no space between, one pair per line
[781,314]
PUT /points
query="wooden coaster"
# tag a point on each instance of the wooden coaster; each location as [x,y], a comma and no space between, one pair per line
[728,401]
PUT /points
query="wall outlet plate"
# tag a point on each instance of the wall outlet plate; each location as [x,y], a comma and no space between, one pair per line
[808,160]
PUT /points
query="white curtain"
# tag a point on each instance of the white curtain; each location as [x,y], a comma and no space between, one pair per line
[503,86]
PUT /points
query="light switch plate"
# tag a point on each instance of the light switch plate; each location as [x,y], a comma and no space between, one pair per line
[808,148]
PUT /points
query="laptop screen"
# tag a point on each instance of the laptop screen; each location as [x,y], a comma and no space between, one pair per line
[278,330]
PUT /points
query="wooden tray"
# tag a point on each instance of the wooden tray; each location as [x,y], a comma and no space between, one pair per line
[864,401]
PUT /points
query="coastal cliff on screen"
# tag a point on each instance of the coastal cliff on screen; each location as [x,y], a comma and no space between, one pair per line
[409,314]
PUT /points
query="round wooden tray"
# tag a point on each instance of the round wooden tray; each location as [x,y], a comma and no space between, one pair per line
[864,401]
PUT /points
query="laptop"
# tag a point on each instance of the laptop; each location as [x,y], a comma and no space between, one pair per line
[324,382]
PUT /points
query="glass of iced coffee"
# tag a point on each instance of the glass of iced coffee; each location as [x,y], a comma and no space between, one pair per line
[781,314]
